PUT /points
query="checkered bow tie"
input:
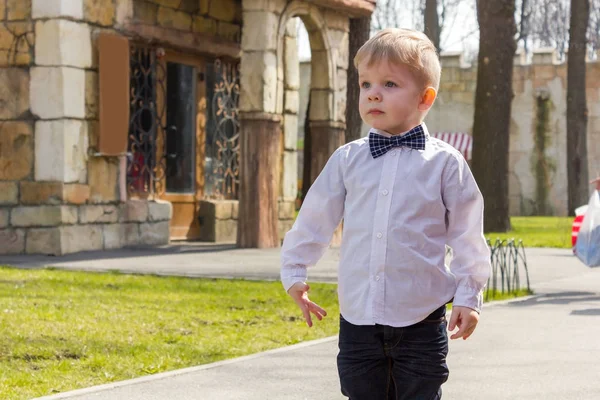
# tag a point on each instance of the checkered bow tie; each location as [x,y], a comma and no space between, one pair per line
[414,139]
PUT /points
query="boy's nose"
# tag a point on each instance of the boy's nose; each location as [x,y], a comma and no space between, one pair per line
[374,96]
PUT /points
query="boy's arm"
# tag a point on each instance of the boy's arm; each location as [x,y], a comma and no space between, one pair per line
[319,216]
[464,220]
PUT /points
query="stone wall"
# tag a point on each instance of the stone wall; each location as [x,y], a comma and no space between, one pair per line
[217,18]
[57,194]
[538,176]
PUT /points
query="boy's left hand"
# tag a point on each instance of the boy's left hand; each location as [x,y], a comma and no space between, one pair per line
[466,319]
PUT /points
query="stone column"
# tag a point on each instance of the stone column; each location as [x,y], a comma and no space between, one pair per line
[260,143]
[260,123]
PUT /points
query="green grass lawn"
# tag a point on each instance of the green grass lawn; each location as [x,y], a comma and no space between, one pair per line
[538,231]
[64,330]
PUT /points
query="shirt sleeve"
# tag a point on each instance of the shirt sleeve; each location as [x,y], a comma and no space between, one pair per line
[464,221]
[319,216]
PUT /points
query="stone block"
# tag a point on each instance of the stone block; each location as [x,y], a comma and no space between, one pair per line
[12,241]
[290,131]
[154,233]
[145,12]
[319,78]
[321,105]
[9,193]
[43,241]
[14,93]
[227,31]
[291,102]
[284,226]
[260,31]
[75,193]
[2,9]
[62,42]
[204,25]
[57,8]
[336,20]
[216,209]
[258,82]
[103,179]
[57,92]
[170,18]
[290,175]
[16,43]
[33,193]
[287,209]
[101,12]
[120,235]
[276,6]
[61,151]
[92,94]
[235,210]
[93,214]
[160,210]
[43,216]
[134,211]
[4,217]
[291,64]
[452,59]
[223,10]
[168,3]
[16,150]
[18,9]
[219,230]
[78,238]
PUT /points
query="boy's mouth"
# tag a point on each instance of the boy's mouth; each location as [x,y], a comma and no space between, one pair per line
[375,111]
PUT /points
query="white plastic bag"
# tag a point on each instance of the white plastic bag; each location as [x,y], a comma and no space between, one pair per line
[587,248]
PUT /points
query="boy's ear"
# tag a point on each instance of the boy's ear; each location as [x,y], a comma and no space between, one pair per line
[427,99]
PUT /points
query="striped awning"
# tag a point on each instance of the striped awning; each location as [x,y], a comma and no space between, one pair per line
[461,141]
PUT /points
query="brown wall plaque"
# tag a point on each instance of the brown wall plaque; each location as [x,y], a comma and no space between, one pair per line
[114,94]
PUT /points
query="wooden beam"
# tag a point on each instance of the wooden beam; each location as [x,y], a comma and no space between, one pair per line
[189,42]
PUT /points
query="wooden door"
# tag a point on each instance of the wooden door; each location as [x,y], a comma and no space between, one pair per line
[184,102]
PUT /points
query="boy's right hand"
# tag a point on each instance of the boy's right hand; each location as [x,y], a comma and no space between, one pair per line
[299,292]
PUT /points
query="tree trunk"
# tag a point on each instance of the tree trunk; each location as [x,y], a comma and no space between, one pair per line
[359,34]
[306,167]
[577,113]
[432,22]
[493,99]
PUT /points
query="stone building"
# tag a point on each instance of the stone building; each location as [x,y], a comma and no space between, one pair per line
[136,122]
[538,129]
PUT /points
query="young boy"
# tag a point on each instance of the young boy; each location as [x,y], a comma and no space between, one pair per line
[403,196]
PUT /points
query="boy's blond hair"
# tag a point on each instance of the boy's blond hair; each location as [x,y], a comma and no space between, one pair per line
[404,46]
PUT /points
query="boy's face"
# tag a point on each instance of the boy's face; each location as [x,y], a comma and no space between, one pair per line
[390,96]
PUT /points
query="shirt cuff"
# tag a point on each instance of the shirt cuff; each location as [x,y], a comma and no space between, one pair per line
[292,275]
[468,297]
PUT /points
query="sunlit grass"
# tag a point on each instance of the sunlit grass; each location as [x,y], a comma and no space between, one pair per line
[66,330]
[538,232]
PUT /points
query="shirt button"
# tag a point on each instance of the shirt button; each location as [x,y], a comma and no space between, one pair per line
[376,277]
[393,153]
[385,193]
[379,235]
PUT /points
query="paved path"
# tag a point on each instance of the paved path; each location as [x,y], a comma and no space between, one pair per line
[542,347]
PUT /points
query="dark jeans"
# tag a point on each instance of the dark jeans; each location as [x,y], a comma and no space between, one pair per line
[378,362]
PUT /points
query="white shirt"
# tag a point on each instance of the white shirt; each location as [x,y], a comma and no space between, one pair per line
[399,212]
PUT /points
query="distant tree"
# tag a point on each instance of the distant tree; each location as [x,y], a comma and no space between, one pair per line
[493,98]
[429,16]
[432,22]
[577,112]
[359,34]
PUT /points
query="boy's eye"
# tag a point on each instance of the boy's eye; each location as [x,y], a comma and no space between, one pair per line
[365,85]
[390,84]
